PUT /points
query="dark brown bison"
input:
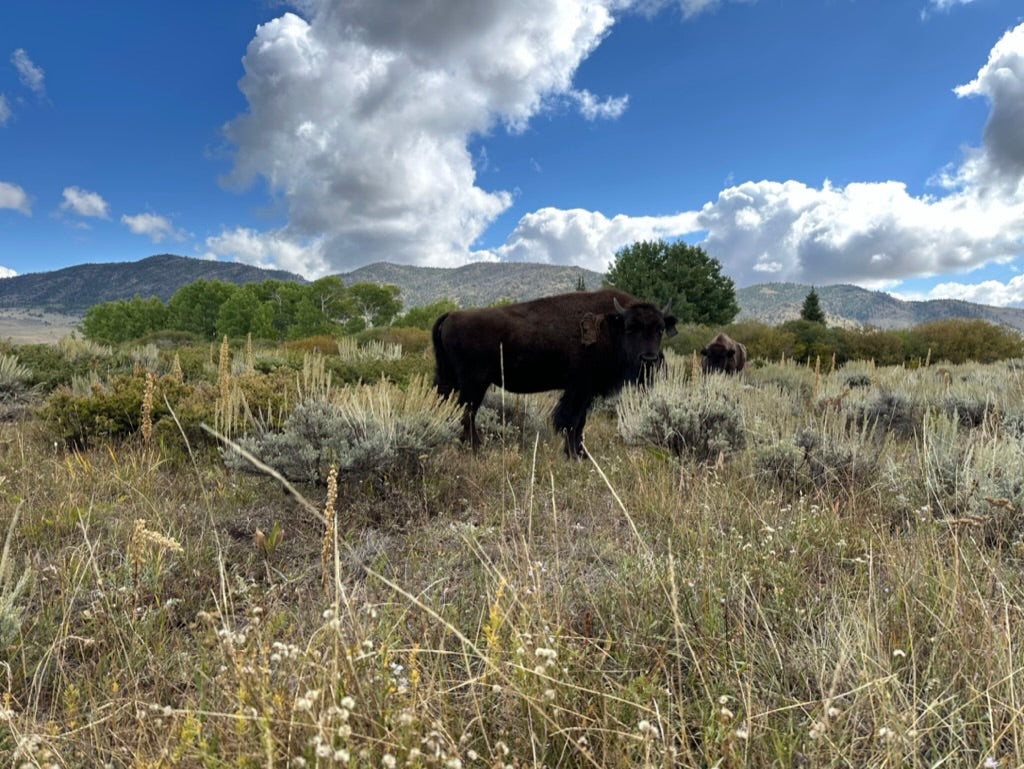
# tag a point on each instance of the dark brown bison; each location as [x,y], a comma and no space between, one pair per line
[587,343]
[723,353]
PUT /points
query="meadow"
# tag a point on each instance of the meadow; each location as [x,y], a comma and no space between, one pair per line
[805,566]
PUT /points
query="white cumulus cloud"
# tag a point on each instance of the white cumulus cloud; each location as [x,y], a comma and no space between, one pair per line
[876,233]
[84,203]
[154,226]
[14,197]
[360,115]
[593,108]
[585,238]
[999,162]
[272,250]
[994,292]
[871,234]
[30,75]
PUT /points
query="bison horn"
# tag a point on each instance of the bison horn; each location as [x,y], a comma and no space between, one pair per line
[668,307]
[618,307]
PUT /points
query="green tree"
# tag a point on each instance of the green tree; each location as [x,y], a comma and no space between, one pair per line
[958,340]
[333,299]
[310,320]
[813,340]
[376,305]
[658,271]
[194,307]
[812,309]
[424,316]
[122,321]
[247,312]
[282,297]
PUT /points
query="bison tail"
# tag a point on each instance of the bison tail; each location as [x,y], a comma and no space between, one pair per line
[444,371]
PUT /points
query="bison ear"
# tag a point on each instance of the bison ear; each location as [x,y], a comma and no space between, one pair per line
[670,325]
[590,327]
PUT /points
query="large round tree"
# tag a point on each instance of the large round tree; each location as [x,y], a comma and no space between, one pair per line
[658,271]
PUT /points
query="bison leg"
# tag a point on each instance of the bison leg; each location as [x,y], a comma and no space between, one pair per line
[569,417]
[471,399]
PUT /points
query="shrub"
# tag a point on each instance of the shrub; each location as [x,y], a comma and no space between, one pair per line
[825,456]
[14,379]
[514,419]
[369,429]
[898,413]
[94,412]
[856,374]
[400,371]
[702,421]
[12,588]
[790,378]
[970,475]
[50,367]
[321,343]
[351,350]
[145,356]
[958,340]
[413,341]
[169,338]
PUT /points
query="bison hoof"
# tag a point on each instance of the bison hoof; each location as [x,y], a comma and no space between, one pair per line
[579,453]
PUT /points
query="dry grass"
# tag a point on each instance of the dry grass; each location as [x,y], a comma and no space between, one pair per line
[512,608]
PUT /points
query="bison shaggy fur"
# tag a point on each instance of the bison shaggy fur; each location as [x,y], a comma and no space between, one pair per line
[585,343]
[724,354]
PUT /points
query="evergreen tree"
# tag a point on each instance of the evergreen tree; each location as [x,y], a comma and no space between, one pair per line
[658,272]
[812,309]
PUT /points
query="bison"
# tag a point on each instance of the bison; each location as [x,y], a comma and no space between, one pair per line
[723,353]
[587,343]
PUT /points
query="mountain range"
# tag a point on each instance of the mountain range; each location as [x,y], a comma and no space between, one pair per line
[72,290]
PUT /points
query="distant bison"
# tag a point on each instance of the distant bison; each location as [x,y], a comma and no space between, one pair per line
[585,343]
[723,353]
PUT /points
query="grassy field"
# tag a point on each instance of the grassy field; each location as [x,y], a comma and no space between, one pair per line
[35,327]
[797,568]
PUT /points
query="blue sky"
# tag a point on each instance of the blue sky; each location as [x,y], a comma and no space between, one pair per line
[876,142]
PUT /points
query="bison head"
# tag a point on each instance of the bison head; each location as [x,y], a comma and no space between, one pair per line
[643,325]
[717,357]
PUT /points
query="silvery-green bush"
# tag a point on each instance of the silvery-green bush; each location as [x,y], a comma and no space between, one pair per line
[830,454]
[14,379]
[889,411]
[13,587]
[969,474]
[515,419]
[699,419]
[363,430]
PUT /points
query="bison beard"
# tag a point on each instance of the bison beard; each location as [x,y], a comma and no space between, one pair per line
[584,343]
